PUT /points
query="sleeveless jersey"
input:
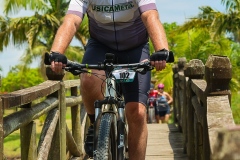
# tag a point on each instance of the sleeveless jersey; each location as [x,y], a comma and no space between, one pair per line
[162,104]
[115,23]
[162,99]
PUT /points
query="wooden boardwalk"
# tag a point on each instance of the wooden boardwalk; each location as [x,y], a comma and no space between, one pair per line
[165,142]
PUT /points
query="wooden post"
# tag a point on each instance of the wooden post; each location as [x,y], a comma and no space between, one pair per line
[53,75]
[218,73]
[28,142]
[58,147]
[181,64]
[76,121]
[193,70]
[175,73]
[62,121]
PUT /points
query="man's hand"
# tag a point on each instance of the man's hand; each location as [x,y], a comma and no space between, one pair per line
[159,65]
[58,61]
[159,59]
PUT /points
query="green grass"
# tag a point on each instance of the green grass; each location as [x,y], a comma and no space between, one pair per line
[12,145]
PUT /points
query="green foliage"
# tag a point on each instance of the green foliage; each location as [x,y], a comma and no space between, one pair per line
[165,76]
[12,147]
[15,80]
[236,107]
[37,30]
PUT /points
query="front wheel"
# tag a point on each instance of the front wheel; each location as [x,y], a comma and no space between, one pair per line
[151,115]
[106,148]
[122,140]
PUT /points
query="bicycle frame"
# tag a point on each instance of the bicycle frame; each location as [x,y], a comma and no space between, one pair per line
[110,93]
[115,106]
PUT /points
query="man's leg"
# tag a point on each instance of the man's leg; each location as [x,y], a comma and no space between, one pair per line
[91,89]
[137,136]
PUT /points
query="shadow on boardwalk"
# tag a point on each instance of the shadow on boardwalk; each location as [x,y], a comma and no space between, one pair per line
[165,142]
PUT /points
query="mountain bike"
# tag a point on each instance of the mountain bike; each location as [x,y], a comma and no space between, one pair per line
[110,127]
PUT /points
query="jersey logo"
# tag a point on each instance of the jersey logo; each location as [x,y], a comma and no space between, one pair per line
[113,8]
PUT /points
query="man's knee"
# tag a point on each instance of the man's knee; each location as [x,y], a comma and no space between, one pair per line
[135,111]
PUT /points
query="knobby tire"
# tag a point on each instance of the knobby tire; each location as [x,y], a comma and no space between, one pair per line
[106,144]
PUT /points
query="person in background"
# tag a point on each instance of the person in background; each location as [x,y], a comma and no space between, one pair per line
[152,97]
[163,105]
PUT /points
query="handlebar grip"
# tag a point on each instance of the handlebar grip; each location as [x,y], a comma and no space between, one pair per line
[46,59]
[162,55]
[170,57]
[56,57]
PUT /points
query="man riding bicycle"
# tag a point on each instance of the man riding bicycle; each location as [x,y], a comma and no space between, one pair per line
[121,27]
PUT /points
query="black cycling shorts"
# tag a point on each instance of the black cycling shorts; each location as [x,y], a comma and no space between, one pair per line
[135,91]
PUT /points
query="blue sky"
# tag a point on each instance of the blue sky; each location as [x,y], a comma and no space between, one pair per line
[170,11]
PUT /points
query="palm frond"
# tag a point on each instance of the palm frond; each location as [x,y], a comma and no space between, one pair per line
[14,6]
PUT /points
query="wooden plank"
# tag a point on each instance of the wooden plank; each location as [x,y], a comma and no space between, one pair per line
[72,101]
[72,83]
[19,119]
[47,134]
[72,145]
[24,96]
[219,115]
[198,87]
[199,110]
[164,142]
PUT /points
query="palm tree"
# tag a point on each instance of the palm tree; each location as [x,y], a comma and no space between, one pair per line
[38,30]
[217,22]
[218,26]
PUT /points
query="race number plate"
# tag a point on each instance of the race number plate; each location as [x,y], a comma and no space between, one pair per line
[124,75]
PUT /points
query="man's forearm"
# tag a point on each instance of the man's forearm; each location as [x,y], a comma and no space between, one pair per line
[155,29]
[65,33]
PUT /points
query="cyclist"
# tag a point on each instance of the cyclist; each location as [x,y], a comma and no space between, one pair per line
[121,27]
[152,96]
[163,105]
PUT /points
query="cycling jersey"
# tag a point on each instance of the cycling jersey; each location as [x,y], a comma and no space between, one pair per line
[115,23]
[153,93]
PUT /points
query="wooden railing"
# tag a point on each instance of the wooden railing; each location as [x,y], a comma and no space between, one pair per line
[202,108]
[202,111]
[56,140]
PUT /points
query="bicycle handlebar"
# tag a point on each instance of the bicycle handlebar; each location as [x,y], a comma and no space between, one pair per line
[142,67]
